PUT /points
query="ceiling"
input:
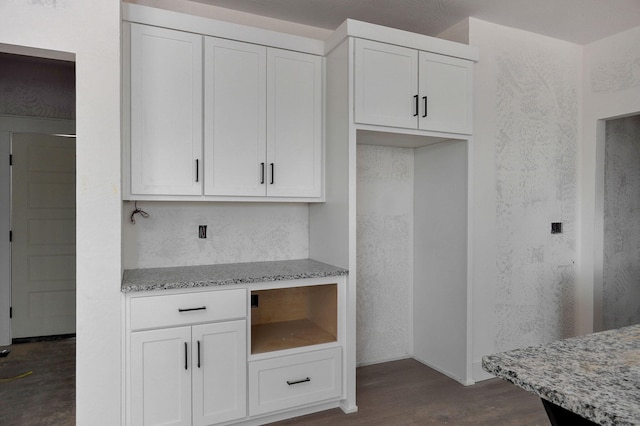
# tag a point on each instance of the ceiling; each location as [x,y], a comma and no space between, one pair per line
[577,21]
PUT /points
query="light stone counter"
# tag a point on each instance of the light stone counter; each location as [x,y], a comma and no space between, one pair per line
[225,274]
[595,376]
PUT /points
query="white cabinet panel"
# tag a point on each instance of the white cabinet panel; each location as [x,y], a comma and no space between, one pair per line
[235,118]
[160,377]
[294,124]
[220,372]
[386,84]
[166,111]
[189,374]
[445,93]
[189,308]
[289,381]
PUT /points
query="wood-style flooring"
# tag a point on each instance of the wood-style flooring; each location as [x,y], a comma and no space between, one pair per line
[395,393]
[407,392]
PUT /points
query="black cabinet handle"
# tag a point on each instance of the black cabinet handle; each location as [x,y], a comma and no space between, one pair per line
[415,97]
[201,308]
[186,362]
[197,170]
[261,173]
[295,382]
[198,353]
[425,106]
[273,178]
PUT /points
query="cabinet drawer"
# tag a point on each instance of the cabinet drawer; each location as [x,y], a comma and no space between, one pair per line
[180,309]
[290,381]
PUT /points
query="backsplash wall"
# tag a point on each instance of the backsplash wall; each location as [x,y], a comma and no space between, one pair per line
[236,232]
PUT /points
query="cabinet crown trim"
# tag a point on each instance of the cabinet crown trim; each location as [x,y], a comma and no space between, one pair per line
[221,29]
[359,29]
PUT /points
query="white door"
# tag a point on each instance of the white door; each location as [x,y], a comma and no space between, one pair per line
[386,84]
[294,124]
[445,93]
[161,377]
[235,116]
[219,372]
[166,111]
[43,247]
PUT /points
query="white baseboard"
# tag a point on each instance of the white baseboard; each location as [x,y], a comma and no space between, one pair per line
[460,380]
[479,374]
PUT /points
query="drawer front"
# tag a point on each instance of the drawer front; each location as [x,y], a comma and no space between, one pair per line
[290,381]
[181,309]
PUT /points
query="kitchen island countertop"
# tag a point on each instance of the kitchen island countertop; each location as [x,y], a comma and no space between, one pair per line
[225,274]
[596,376]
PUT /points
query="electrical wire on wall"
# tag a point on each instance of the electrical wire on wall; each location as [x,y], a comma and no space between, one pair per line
[136,211]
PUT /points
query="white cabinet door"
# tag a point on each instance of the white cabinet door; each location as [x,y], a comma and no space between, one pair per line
[219,372]
[386,84]
[161,377]
[235,118]
[166,111]
[294,124]
[445,93]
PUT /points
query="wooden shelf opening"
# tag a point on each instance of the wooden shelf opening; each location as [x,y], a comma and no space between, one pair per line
[287,318]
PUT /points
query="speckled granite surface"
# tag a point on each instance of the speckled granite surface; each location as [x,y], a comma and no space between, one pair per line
[596,376]
[225,274]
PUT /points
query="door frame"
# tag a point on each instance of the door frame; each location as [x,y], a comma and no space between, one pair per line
[9,125]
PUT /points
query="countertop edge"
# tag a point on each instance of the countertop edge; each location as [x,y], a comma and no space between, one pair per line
[241,278]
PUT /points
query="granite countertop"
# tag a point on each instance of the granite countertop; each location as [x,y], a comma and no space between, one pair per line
[596,376]
[225,274]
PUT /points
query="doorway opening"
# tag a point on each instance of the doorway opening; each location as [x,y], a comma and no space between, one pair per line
[38,101]
[619,301]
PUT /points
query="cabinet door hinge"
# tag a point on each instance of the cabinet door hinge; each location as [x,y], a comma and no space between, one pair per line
[10,311]
[10,236]
[11,159]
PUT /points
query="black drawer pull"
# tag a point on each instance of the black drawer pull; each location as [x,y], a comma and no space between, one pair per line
[186,358]
[201,308]
[295,382]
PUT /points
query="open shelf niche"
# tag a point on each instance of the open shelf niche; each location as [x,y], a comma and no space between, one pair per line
[286,318]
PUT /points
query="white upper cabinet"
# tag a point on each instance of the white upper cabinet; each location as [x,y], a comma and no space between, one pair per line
[294,124]
[263,121]
[228,121]
[235,117]
[403,87]
[166,111]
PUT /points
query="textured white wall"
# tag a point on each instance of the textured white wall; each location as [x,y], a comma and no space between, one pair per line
[90,30]
[37,87]
[526,104]
[236,232]
[611,90]
[621,283]
[384,252]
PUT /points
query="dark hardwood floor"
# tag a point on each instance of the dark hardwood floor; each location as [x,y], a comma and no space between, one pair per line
[395,393]
[46,395]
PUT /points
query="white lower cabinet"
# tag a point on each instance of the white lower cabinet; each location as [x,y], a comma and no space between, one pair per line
[294,380]
[187,358]
[216,357]
[189,375]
